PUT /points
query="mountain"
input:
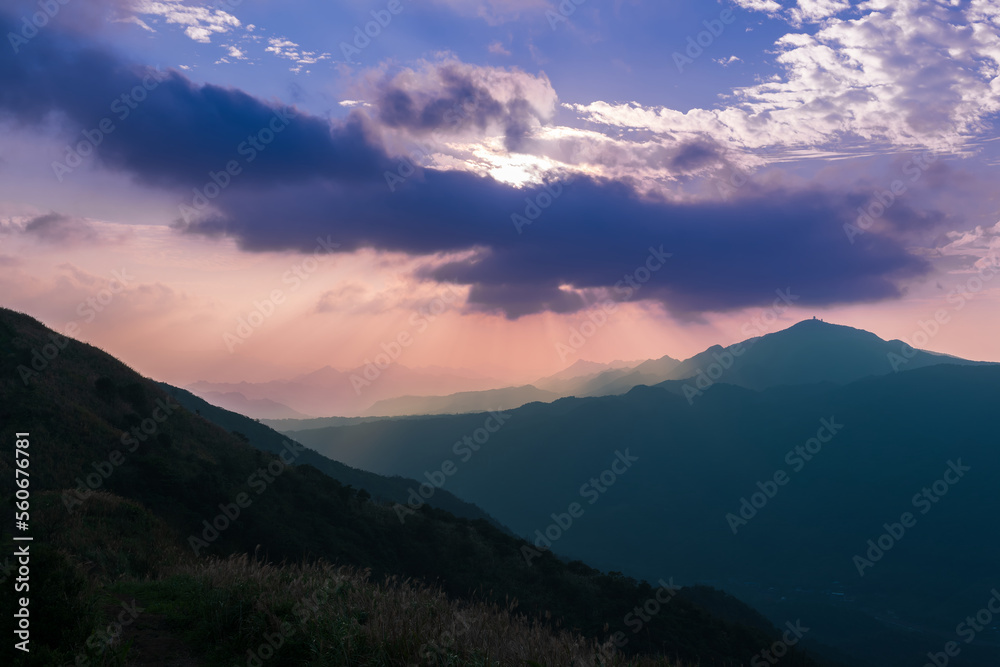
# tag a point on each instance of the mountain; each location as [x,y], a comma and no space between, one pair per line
[579,369]
[393,489]
[328,391]
[214,547]
[652,370]
[808,352]
[777,493]
[261,408]
[471,401]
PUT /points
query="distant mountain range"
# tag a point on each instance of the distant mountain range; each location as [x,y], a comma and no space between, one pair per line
[810,351]
[805,356]
[328,391]
[769,468]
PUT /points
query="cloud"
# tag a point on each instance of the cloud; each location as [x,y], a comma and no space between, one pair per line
[907,72]
[498,49]
[806,11]
[725,255]
[289,50]
[56,229]
[980,246]
[135,20]
[328,179]
[199,22]
[811,11]
[695,154]
[181,131]
[767,6]
[726,62]
[452,97]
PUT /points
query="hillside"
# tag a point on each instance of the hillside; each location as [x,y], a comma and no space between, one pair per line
[700,460]
[392,489]
[83,408]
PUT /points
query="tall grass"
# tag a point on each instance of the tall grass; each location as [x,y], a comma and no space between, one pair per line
[321,614]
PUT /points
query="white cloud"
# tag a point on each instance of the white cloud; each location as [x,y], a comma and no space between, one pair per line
[199,22]
[810,11]
[767,6]
[135,20]
[908,72]
[726,62]
[497,48]
[806,11]
[286,48]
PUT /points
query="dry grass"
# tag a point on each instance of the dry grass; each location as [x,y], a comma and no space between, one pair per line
[336,615]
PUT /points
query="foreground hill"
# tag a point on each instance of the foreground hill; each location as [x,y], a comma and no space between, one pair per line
[392,489]
[135,498]
[774,494]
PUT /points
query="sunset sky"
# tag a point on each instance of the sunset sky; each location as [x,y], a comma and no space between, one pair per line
[484,177]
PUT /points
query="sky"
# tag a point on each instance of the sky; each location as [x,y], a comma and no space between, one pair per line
[250,190]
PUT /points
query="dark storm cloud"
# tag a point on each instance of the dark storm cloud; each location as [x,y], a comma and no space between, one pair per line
[595,234]
[322,179]
[165,130]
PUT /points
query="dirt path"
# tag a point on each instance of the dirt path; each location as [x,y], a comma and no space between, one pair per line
[154,644]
